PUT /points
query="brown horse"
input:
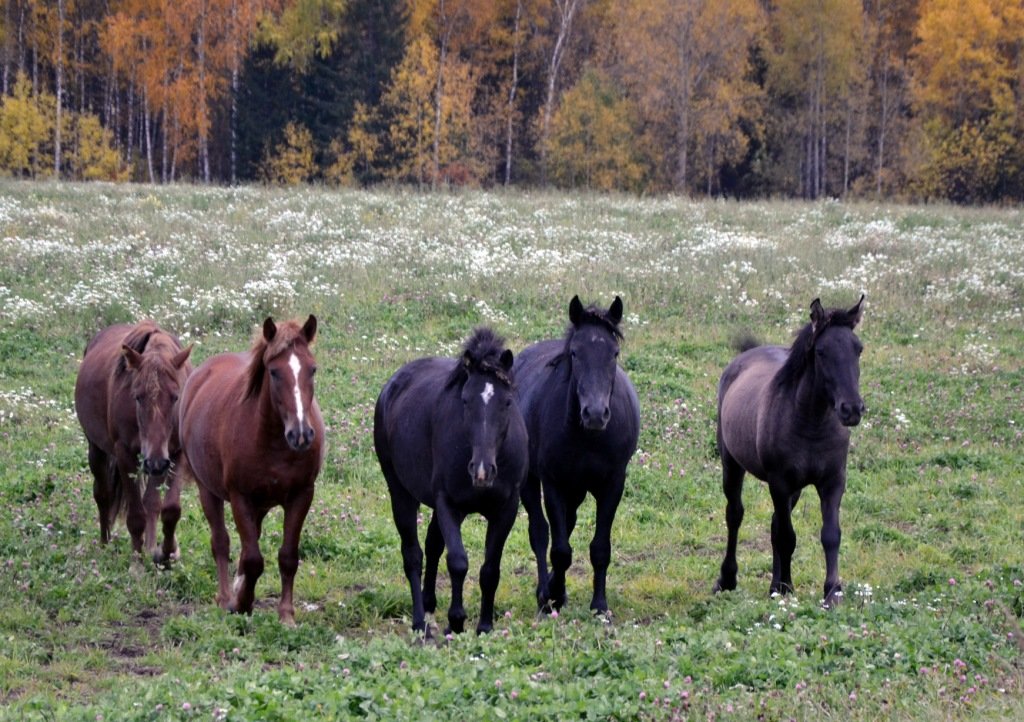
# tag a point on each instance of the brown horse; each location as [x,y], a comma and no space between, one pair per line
[253,437]
[126,398]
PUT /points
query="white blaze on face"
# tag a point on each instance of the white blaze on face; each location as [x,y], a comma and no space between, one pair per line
[487,393]
[296,367]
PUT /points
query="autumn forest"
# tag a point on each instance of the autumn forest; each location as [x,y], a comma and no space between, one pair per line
[905,99]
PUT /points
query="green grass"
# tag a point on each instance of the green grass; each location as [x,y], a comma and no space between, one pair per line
[933,518]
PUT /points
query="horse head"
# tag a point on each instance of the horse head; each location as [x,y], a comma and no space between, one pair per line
[157,375]
[486,393]
[592,346]
[290,365]
[835,351]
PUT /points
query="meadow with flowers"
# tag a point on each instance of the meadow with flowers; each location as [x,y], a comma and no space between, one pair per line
[932,556]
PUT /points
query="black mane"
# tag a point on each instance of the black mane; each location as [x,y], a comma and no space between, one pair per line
[481,353]
[803,346]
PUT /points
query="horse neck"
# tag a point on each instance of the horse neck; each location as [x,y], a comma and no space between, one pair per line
[809,398]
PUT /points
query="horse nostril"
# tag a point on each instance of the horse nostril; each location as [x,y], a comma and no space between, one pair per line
[308,435]
[607,414]
[156,468]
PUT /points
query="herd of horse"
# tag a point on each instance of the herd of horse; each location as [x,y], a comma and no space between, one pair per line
[481,433]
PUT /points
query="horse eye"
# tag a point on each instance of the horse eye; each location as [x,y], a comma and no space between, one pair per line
[174,398]
[139,398]
[312,370]
[508,402]
[274,374]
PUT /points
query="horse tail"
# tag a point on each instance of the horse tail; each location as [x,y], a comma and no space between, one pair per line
[744,342]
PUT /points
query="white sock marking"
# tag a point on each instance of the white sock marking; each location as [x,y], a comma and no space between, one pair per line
[487,393]
[296,367]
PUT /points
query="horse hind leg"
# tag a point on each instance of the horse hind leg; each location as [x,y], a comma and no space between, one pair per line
[434,548]
[732,486]
[104,489]
[539,537]
[404,509]
[288,556]
[783,539]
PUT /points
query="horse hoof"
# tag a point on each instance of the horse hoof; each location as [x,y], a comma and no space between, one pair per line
[484,628]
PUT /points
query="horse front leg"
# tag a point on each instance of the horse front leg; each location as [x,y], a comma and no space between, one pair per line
[601,545]
[288,555]
[538,537]
[449,522]
[404,509]
[248,522]
[783,540]
[151,504]
[220,543]
[498,530]
[170,514]
[831,535]
[130,478]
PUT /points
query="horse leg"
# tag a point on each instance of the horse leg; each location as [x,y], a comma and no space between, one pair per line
[170,514]
[151,510]
[732,486]
[220,543]
[135,519]
[434,549]
[783,540]
[498,530]
[404,509]
[830,538]
[449,521]
[103,490]
[288,555]
[248,522]
[562,517]
[538,536]
[601,545]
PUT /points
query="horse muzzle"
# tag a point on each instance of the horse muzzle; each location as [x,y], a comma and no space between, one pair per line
[850,414]
[300,439]
[156,467]
[483,473]
[595,417]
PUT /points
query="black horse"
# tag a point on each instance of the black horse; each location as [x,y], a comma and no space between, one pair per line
[583,417]
[448,434]
[784,416]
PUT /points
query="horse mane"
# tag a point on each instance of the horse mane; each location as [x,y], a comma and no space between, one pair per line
[481,353]
[803,345]
[288,334]
[136,340]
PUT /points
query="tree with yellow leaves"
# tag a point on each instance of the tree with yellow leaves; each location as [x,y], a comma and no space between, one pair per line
[968,94]
[26,128]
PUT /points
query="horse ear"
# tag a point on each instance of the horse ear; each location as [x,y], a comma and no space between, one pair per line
[131,356]
[269,329]
[309,329]
[615,311]
[181,357]
[575,310]
[857,311]
[817,314]
[506,359]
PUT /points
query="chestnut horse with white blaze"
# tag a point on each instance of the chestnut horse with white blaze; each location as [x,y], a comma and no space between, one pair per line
[126,399]
[254,438]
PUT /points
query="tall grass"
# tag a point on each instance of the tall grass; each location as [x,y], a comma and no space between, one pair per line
[933,549]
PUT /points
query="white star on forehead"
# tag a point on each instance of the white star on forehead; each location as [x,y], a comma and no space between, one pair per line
[296,366]
[487,393]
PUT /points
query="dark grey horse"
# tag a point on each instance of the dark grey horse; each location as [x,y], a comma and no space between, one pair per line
[448,434]
[583,417]
[784,416]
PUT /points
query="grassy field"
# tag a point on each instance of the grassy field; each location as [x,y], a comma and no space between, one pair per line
[933,518]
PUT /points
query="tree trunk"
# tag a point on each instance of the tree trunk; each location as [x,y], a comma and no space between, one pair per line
[59,83]
[512,93]
[566,12]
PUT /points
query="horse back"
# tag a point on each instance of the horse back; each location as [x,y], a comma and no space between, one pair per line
[104,407]
[210,415]
[404,430]
[743,399]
